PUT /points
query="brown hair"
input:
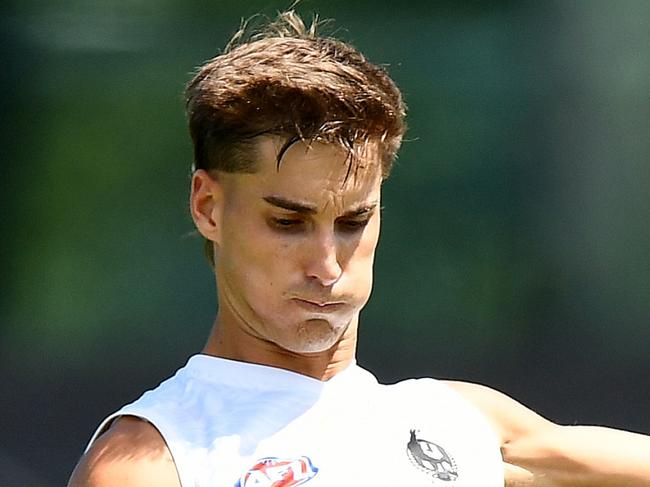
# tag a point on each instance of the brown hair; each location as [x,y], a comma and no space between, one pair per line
[290,82]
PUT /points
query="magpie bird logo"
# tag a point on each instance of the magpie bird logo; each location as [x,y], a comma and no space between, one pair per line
[431,459]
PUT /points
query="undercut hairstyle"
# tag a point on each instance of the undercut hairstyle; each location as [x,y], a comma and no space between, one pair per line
[286,80]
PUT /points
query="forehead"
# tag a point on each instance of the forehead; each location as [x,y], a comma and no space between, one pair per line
[317,173]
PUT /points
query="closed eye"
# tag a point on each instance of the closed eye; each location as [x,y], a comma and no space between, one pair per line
[285,223]
[353,225]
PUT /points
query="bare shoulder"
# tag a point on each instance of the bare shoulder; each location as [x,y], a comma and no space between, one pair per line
[131,453]
[509,418]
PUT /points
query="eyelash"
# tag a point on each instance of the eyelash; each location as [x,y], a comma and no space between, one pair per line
[284,223]
[290,224]
[356,224]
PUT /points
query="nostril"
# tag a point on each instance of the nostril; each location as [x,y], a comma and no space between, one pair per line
[325,270]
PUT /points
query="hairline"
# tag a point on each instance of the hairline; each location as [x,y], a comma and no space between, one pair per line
[250,149]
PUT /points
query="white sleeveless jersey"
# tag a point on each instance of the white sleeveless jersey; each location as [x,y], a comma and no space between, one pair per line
[234,424]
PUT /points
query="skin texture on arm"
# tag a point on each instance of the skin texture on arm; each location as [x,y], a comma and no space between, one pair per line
[131,453]
[539,453]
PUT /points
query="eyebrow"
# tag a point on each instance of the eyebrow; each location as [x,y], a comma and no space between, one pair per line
[308,209]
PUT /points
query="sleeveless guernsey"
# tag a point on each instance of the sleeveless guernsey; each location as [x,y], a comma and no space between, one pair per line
[234,424]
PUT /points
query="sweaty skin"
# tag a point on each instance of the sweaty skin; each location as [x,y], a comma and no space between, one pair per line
[294,249]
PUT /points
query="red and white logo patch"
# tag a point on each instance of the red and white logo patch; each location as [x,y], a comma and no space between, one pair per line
[278,472]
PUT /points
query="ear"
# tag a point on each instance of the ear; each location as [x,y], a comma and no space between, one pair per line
[206,204]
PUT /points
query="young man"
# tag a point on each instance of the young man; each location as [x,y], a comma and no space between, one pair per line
[293,135]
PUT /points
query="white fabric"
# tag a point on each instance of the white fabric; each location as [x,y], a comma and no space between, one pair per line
[220,417]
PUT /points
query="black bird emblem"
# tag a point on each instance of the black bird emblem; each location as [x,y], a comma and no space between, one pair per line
[431,458]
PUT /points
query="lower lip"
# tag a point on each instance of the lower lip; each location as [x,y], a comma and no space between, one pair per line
[313,307]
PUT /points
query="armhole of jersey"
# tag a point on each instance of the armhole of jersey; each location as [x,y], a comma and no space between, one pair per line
[102,428]
[106,424]
[477,412]
[480,418]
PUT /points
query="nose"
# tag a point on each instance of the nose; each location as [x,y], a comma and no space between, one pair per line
[322,260]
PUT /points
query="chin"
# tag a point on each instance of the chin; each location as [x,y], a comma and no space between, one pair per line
[314,336]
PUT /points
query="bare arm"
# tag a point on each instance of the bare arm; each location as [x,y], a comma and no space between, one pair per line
[539,453]
[130,454]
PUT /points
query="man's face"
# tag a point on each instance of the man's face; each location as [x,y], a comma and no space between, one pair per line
[296,247]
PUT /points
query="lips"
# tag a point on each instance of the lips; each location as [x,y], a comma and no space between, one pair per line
[318,305]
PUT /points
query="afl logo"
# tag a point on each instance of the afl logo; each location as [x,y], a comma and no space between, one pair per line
[431,459]
[278,472]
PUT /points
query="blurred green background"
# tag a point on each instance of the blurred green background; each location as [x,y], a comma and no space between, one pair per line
[516,234]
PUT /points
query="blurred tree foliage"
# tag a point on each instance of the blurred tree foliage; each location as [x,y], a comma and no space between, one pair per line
[483,238]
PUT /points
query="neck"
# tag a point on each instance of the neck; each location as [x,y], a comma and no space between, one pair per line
[232,343]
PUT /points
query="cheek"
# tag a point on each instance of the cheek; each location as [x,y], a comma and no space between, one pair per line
[254,258]
[361,264]
[369,240]
[241,255]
